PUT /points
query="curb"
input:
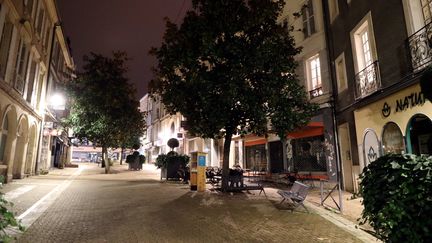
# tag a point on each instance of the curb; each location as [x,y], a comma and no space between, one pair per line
[342,223]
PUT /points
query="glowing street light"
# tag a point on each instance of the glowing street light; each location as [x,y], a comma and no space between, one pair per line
[57,102]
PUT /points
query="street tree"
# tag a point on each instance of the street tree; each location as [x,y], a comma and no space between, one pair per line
[131,133]
[104,108]
[229,69]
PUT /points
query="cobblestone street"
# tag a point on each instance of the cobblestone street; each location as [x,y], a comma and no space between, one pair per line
[136,207]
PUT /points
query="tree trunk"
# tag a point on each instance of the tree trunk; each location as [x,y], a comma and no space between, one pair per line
[105,159]
[121,156]
[225,162]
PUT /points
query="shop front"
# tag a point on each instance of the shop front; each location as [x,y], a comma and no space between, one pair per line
[255,153]
[399,123]
[309,150]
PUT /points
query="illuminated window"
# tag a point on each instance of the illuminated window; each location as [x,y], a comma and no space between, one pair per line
[392,139]
[314,76]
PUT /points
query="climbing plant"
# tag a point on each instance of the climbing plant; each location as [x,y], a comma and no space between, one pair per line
[397,197]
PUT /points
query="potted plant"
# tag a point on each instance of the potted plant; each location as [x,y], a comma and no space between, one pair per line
[170,163]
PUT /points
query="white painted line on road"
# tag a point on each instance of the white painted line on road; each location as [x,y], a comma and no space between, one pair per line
[18,192]
[36,210]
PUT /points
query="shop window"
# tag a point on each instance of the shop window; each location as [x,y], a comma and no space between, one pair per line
[3,137]
[392,139]
[419,135]
[309,154]
[371,147]
[256,158]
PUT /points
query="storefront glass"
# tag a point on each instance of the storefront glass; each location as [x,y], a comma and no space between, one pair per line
[309,154]
[419,137]
[392,139]
[256,158]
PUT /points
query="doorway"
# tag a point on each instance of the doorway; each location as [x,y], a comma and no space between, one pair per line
[419,135]
[346,157]
[276,156]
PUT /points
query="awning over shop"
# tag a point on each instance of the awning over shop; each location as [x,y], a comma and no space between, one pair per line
[255,142]
[311,130]
[251,139]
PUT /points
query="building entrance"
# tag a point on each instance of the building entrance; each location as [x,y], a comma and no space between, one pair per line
[419,135]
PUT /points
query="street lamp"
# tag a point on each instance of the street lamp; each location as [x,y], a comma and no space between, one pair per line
[57,102]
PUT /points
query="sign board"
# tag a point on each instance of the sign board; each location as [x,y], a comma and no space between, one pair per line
[201,160]
[201,176]
[49,125]
[371,147]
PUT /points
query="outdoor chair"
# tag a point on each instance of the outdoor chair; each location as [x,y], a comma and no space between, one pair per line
[296,195]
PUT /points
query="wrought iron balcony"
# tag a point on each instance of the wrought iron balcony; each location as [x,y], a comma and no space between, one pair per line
[420,47]
[367,80]
[316,92]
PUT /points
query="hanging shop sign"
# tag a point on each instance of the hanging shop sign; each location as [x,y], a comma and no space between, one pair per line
[404,103]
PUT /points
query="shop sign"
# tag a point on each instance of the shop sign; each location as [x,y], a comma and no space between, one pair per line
[404,103]
[49,125]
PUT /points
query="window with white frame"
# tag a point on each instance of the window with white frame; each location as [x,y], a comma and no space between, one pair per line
[333,9]
[47,34]
[5,45]
[341,76]
[29,7]
[427,10]
[365,48]
[40,81]
[21,66]
[314,76]
[366,67]
[308,19]
[363,44]
[3,137]
[31,80]
[40,20]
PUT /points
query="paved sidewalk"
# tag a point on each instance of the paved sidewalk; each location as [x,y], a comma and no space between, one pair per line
[135,206]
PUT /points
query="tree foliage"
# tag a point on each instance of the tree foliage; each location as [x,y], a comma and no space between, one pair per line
[104,109]
[229,68]
[397,197]
[7,217]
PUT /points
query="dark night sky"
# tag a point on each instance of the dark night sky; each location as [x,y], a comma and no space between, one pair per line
[133,26]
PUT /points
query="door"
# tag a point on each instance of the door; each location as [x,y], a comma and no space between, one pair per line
[276,157]
[345,154]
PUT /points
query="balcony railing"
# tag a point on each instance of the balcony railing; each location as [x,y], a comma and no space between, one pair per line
[420,47]
[316,92]
[367,80]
